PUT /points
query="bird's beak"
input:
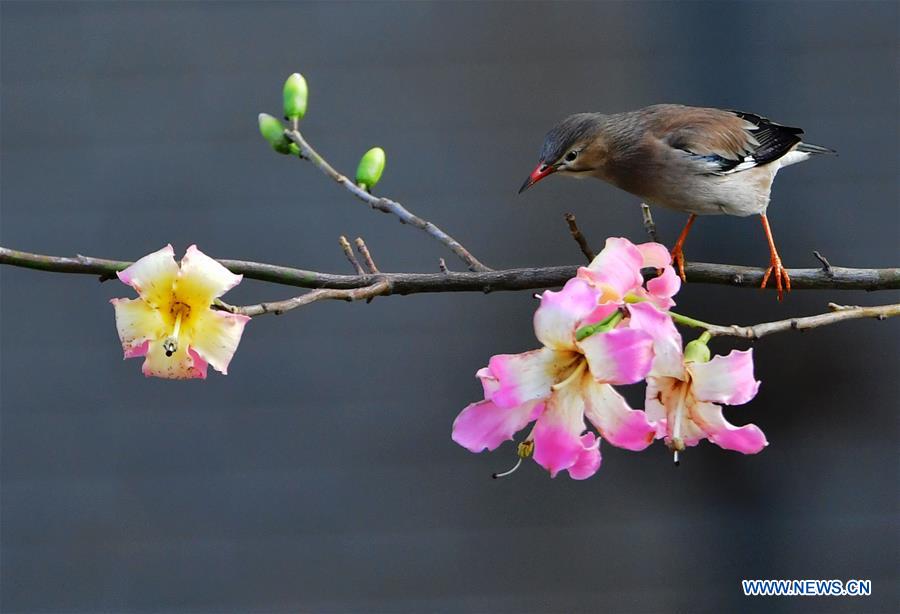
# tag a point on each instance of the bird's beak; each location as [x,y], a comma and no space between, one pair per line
[540,171]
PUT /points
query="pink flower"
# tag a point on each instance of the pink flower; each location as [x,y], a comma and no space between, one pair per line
[560,384]
[684,389]
[171,324]
[616,272]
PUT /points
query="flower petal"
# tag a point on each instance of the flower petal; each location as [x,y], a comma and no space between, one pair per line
[618,424]
[616,270]
[654,255]
[202,279]
[664,394]
[664,286]
[560,313]
[725,379]
[483,425]
[179,365]
[215,336]
[598,315]
[527,376]
[691,433]
[153,276]
[138,350]
[199,364]
[137,322]
[748,439]
[588,460]
[668,359]
[489,383]
[557,433]
[620,356]
[658,388]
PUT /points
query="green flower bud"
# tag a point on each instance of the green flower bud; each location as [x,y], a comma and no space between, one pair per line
[295,94]
[273,132]
[370,168]
[696,351]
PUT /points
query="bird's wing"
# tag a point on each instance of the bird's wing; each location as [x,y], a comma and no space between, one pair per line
[722,142]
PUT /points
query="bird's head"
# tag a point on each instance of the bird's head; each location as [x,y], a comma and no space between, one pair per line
[575,145]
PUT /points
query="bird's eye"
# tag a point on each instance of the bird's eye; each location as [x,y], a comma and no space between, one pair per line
[570,157]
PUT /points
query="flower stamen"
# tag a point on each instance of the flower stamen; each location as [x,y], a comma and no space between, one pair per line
[574,375]
[524,450]
[170,345]
[508,471]
[677,442]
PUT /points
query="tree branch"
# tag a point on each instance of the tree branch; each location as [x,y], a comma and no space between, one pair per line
[838,278]
[382,286]
[351,257]
[384,205]
[839,313]
[367,256]
[366,287]
[579,237]
[649,224]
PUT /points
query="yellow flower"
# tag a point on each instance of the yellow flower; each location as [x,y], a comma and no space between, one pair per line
[172,324]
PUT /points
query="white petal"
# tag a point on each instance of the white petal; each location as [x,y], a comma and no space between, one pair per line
[560,313]
[748,439]
[215,336]
[527,376]
[153,276]
[137,322]
[202,279]
[617,422]
[557,433]
[725,379]
[668,359]
[183,364]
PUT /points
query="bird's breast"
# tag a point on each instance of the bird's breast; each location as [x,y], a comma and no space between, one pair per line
[740,194]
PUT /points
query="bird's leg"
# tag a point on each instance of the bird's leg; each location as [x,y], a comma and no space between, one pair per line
[677,252]
[782,280]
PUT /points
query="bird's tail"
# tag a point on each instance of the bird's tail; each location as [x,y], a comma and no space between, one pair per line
[814,149]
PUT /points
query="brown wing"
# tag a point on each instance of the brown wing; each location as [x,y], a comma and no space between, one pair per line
[721,141]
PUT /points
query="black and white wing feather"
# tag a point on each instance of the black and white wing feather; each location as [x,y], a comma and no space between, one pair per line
[771,141]
[724,142]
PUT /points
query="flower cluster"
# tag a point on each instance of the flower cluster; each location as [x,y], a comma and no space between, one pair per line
[608,328]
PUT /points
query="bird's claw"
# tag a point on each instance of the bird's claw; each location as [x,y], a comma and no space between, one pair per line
[782,279]
[678,260]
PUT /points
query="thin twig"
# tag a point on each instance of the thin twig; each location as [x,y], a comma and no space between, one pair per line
[367,257]
[382,286]
[826,266]
[579,237]
[456,281]
[385,205]
[649,224]
[838,313]
[348,251]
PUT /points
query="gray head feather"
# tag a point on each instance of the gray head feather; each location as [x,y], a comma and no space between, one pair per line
[568,132]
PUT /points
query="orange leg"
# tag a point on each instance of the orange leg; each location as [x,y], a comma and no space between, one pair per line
[782,280]
[677,252]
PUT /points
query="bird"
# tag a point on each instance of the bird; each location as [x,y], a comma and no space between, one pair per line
[698,160]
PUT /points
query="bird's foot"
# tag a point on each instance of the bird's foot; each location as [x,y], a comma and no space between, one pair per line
[782,279]
[678,260]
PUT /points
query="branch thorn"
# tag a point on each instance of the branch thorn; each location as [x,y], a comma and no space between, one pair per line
[649,224]
[348,252]
[579,237]
[826,266]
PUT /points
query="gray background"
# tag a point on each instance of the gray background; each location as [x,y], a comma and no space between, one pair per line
[320,475]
